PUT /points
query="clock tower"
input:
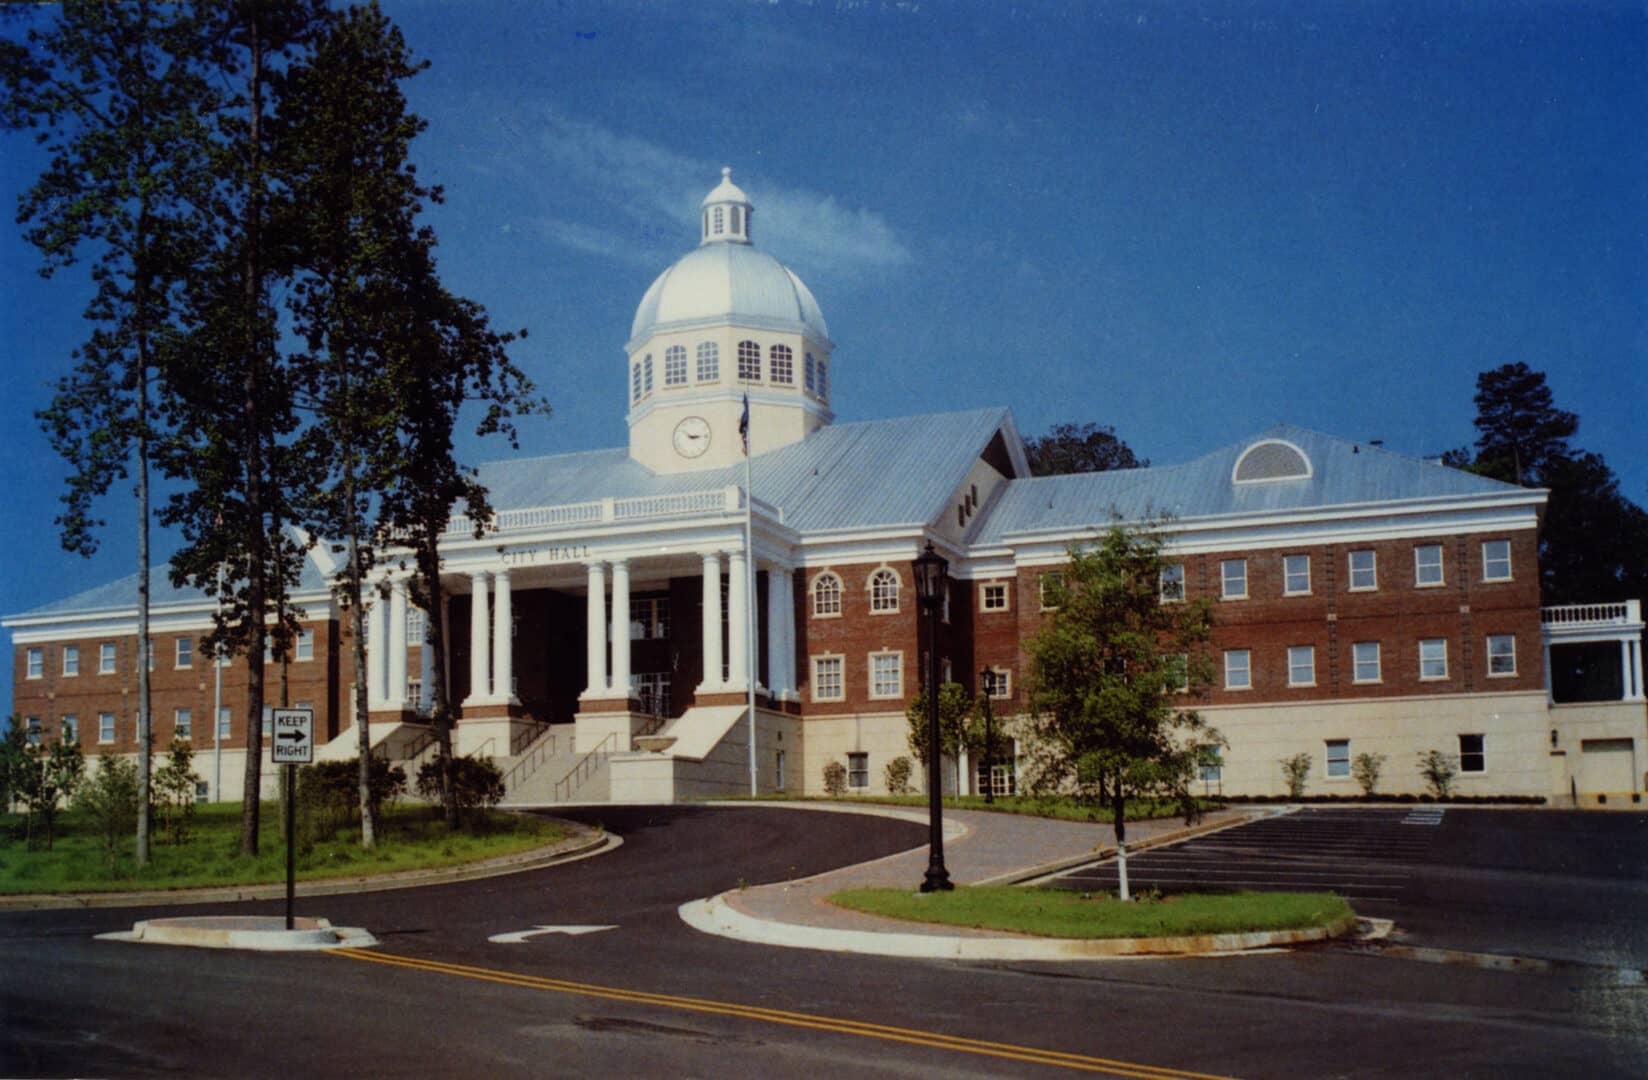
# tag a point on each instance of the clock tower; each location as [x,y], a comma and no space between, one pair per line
[723,322]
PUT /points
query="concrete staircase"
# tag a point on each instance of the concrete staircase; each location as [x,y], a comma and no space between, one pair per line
[553,770]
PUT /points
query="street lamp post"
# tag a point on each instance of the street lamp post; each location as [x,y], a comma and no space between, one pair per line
[930,574]
[985,676]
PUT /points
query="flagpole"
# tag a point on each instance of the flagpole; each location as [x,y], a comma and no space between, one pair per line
[749,591]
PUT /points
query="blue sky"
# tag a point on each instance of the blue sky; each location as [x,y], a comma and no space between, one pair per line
[1186,220]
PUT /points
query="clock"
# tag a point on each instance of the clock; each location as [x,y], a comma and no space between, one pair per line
[692,437]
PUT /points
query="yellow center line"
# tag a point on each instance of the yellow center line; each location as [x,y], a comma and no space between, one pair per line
[911,1036]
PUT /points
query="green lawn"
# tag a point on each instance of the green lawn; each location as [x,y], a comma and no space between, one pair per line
[1064,914]
[409,838]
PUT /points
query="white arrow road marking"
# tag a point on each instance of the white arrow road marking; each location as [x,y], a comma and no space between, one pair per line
[518,936]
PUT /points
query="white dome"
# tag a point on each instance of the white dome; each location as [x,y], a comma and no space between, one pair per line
[728,283]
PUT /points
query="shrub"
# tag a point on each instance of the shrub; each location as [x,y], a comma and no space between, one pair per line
[477,783]
[329,792]
[109,802]
[1296,770]
[174,791]
[835,779]
[1366,769]
[1438,769]
[898,776]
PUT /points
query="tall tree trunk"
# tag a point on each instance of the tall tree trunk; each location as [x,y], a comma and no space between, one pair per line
[363,731]
[145,717]
[429,563]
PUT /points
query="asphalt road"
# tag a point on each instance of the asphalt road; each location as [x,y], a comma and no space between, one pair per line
[654,998]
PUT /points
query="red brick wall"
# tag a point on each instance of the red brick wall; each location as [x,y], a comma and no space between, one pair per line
[854,635]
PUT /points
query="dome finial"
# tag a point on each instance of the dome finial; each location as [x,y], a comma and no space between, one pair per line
[726,173]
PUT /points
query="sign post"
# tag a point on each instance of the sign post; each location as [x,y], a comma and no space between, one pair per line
[293,745]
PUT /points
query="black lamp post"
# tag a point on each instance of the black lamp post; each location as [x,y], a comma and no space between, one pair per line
[931,575]
[985,678]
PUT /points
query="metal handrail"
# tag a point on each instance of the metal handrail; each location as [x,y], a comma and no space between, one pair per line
[534,756]
[526,737]
[586,767]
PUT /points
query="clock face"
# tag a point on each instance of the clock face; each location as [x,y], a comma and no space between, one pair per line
[692,436]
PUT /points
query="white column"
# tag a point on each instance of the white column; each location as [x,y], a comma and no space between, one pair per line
[595,632]
[503,640]
[620,628]
[395,696]
[377,648]
[786,582]
[426,669]
[1550,698]
[480,681]
[1631,670]
[712,620]
[775,632]
[738,625]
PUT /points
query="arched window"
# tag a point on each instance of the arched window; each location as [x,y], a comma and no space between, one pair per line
[781,364]
[675,365]
[826,594]
[812,377]
[749,361]
[709,361]
[716,226]
[646,374]
[824,379]
[734,230]
[884,590]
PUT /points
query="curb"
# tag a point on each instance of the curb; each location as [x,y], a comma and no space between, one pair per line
[255,933]
[583,844]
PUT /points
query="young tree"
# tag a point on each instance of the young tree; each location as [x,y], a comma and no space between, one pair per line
[1079,448]
[955,708]
[48,777]
[115,92]
[1112,670]
[109,801]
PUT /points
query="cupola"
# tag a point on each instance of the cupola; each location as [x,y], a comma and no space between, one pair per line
[726,213]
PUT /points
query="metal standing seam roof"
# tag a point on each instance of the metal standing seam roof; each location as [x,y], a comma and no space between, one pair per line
[720,282]
[1344,473]
[121,594]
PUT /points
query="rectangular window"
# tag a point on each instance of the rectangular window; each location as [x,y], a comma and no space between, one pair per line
[1178,673]
[70,730]
[1238,669]
[1210,765]
[1473,754]
[709,361]
[182,725]
[306,645]
[106,658]
[1433,658]
[1365,661]
[71,659]
[1501,654]
[675,366]
[37,662]
[827,681]
[858,770]
[1052,589]
[1000,779]
[32,731]
[105,727]
[1233,579]
[225,721]
[1363,571]
[185,650]
[203,791]
[998,682]
[1295,575]
[887,675]
[415,632]
[1427,565]
[749,361]
[1338,757]
[993,597]
[1172,583]
[1301,665]
[1496,560]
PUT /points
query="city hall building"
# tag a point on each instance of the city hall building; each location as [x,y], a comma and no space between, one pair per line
[605,629]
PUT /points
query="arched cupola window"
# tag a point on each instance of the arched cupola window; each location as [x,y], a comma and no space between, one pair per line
[1271,460]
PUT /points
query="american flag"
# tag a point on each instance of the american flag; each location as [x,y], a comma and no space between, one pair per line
[744,425]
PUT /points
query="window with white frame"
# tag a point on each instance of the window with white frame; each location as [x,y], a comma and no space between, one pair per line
[183,651]
[225,720]
[415,624]
[749,361]
[998,682]
[71,660]
[1473,753]
[887,675]
[33,731]
[781,365]
[105,727]
[1295,575]
[1238,669]
[827,679]
[993,596]
[858,770]
[1178,672]
[1172,583]
[1433,658]
[1301,665]
[1052,589]
[106,658]
[1210,763]
[709,361]
[182,724]
[1496,560]
[1364,573]
[675,365]
[306,645]
[1365,662]
[718,221]
[69,730]
[883,591]
[826,595]
[36,662]
[1501,654]
[1001,779]
[1233,579]
[1427,565]
[1338,758]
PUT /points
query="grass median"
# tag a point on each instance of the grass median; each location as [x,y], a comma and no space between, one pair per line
[409,838]
[1060,913]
